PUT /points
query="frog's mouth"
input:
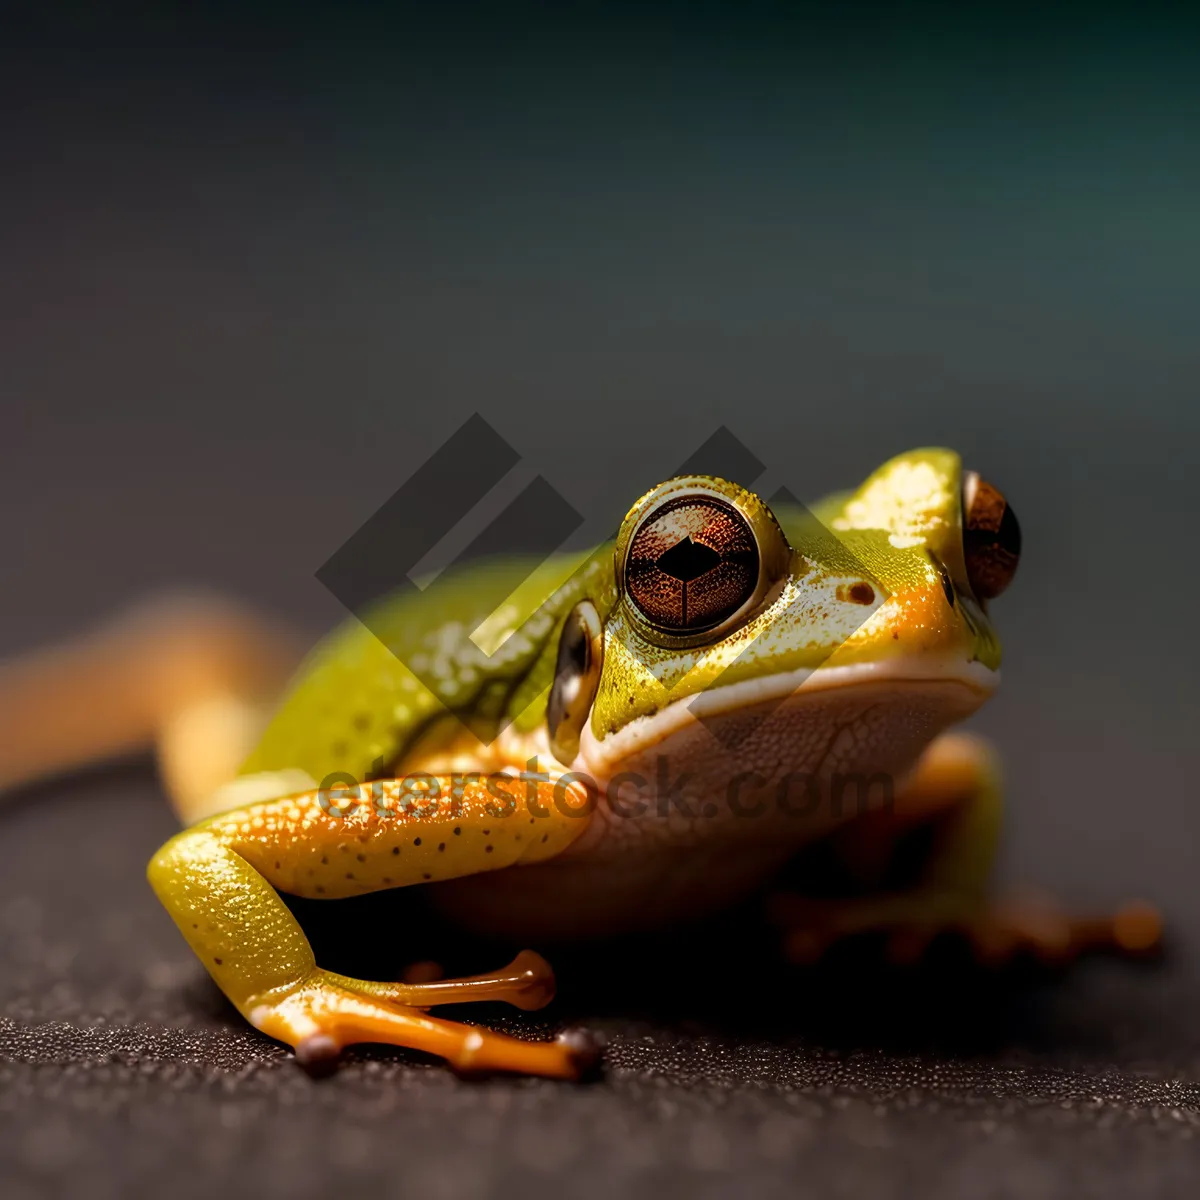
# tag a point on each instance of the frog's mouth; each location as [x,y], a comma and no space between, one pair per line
[698,805]
[859,716]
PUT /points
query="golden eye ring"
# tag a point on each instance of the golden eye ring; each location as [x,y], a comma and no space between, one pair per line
[696,557]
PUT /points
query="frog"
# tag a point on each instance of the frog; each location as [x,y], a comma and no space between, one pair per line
[636,737]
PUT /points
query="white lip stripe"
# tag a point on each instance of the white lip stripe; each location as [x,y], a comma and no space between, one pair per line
[643,732]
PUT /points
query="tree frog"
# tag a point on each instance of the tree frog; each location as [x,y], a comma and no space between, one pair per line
[634,737]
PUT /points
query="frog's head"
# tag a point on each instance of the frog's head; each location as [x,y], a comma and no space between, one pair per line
[740,639]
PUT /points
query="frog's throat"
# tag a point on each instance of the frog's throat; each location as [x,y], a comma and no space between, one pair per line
[602,757]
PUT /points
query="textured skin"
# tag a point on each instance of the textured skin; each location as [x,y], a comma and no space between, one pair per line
[356,707]
[218,880]
[643,863]
[384,836]
[379,699]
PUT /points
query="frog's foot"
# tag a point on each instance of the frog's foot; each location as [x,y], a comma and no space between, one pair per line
[997,931]
[527,982]
[1035,923]
[216,880]
[328,1012]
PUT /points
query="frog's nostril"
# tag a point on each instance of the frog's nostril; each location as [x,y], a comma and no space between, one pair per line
[860,593]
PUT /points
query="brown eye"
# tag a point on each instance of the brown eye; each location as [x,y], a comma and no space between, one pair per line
[692,563]
[991,537]
[576,678]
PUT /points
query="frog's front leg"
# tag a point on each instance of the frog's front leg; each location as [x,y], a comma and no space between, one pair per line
[218,881]
[955,792]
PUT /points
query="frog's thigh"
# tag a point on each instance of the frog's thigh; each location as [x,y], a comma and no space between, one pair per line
[194,675]
[956,789]
[216,882]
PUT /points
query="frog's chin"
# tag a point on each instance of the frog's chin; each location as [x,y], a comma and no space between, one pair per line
[694,808]
[918,698]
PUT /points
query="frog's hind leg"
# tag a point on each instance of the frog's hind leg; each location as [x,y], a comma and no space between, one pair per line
[218,881]
[193,675]
[955,797]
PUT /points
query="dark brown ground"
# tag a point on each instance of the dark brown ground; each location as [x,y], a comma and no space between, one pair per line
[123,1071]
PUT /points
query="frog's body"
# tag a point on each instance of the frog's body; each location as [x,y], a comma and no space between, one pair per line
[622,743]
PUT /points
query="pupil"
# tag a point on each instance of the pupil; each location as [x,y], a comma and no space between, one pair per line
[688,560]
[1009,536]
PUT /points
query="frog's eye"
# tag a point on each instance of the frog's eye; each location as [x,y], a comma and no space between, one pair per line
[991,537]
[697,560]
[576,678]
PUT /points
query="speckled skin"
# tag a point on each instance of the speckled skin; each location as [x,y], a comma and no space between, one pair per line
[878,623]
[378,835]
[356,706]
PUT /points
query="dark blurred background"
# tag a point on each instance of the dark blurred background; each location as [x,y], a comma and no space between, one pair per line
[256,265]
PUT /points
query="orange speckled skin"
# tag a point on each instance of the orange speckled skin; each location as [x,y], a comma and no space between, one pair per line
[344,842]
[218,878]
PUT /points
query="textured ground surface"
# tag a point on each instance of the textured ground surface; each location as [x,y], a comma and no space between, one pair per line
[122,1070]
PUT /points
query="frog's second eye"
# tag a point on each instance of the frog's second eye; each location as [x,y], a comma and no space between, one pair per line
[692,563]
[576,678]
[991,537]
